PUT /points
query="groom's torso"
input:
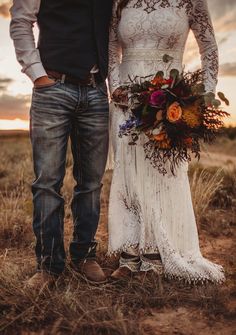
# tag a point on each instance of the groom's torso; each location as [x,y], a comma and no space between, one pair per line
[74,35]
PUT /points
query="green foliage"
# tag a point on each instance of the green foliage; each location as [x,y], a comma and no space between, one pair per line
[160,74]
[223,98]
[198,89]
[167,58]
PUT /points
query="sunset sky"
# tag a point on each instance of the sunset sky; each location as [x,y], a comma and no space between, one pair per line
[15,87]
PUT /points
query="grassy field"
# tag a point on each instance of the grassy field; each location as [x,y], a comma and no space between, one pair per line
[144,305]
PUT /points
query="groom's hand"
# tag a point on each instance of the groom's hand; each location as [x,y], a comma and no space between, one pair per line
[44,81]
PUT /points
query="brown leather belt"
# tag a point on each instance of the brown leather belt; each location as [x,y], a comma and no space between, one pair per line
[72,80]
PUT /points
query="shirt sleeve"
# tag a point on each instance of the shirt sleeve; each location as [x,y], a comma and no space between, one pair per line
[23,17]
[115,52]
[201,25]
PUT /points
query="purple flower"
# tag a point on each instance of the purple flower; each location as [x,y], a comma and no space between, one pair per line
[157,99]
[128,125]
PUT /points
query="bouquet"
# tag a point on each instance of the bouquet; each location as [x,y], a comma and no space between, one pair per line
[174,113]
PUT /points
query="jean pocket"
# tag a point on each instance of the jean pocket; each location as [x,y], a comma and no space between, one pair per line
[47,86]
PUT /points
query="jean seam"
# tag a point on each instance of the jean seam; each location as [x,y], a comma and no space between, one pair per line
[77,156]
[77,160]
[78,100]
[86,97]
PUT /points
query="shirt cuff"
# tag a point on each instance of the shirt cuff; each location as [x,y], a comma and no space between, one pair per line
[35,71]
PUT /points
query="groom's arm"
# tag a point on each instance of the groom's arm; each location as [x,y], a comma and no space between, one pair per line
[24,15]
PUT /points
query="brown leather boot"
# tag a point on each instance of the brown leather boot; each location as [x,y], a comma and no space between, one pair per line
[40,281]
[121,273]
[91,271]
[128,264]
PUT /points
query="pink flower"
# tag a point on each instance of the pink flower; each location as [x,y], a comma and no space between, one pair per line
[157,99]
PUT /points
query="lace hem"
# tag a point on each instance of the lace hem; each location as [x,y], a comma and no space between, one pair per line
[198,271]
[191,270]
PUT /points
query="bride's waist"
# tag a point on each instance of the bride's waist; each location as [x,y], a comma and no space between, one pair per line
[148,54]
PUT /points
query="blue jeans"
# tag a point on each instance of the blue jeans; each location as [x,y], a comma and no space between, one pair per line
[58,112]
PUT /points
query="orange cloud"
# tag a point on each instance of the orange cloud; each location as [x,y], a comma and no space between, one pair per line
[226,22]
[12,107]
[4,9]
[218,8]
[228,69]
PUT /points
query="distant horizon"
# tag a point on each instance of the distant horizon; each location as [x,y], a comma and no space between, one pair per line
[26,130]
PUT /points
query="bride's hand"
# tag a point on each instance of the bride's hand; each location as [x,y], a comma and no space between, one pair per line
[120,96]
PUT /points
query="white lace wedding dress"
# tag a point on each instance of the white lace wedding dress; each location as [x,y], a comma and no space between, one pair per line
[147,210]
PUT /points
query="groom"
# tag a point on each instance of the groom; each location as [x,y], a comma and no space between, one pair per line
[68,69]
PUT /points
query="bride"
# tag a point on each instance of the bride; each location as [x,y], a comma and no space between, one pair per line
[151,217]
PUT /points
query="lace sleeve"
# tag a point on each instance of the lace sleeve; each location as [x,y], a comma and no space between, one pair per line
[114,52]
[201,25]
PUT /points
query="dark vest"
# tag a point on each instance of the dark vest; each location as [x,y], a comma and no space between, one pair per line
[74,35]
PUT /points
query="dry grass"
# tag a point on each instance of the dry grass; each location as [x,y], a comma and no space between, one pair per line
[14,218]
[142,305]
[77,308]
[204,186]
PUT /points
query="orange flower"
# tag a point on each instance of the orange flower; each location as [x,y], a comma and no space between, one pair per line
[161,140]
[174,112]
[160,137]
[188,141]
[192,115]
[157,80]
[165,144]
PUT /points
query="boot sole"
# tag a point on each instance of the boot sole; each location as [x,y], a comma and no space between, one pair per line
[85,279]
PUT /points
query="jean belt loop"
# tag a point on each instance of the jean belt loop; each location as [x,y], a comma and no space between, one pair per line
[63,78]
[93,80]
